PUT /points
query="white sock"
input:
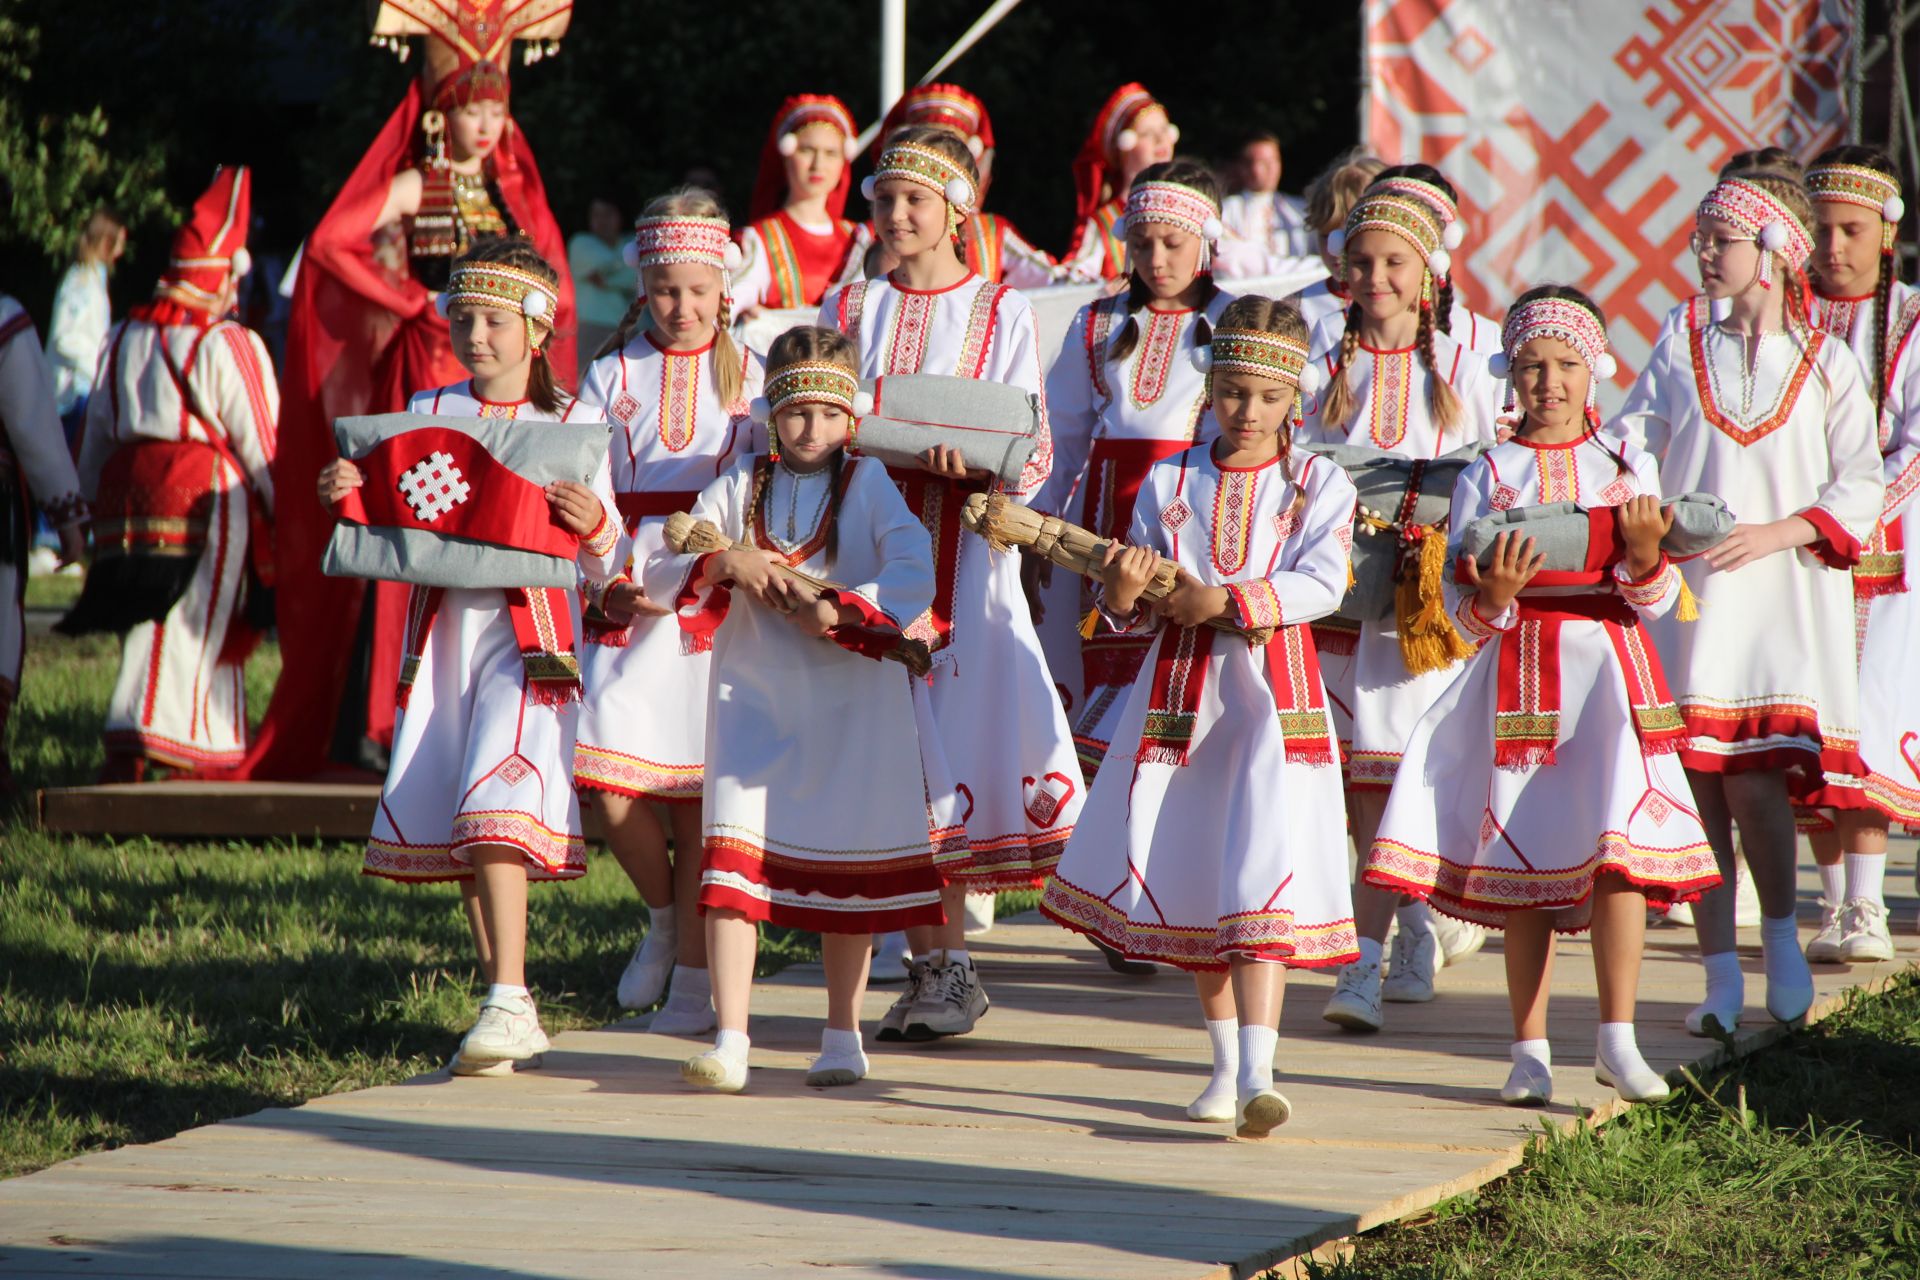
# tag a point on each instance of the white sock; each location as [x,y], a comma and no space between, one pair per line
[1616,1044]
[841,1046]
[1789,980]
[1223,1036]
[1726,989]
[1371,951]
[1832,883]
[1778,933]
[732,1045]
[960,956]
[502,990]
[1413,916]
[1534,1053]
[690,985]
[1257,1046]
[1866,877]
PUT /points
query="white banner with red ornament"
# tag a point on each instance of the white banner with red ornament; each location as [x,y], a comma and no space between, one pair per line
[1580,136]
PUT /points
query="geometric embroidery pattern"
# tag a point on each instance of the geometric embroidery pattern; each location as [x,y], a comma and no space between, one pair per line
[513,770]
[1618,493]
[433,486]
[1176,514]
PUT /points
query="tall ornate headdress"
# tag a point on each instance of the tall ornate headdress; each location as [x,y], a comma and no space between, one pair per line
[210,247]
[468,48]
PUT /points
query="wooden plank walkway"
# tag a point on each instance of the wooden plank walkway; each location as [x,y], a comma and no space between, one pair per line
[1051,1143]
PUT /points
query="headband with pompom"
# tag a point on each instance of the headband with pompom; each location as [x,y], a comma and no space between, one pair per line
[1453,230]
[1260,352]
[664,239]
[1561,318]
[1412,220]
[502,288]
[1174,203]
[929,167]
[811,382]
[1859,184]
[1759,213]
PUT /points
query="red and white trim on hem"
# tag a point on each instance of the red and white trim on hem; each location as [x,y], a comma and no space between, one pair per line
[616,772]
[1253,935]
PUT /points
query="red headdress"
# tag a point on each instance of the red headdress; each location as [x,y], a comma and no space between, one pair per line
[770,184]
[209,250]
[1099,156]
[946,105]
[362,337]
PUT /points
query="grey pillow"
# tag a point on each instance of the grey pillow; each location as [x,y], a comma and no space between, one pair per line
[994,426]
[1382,479]
[541,452]
[1560,531]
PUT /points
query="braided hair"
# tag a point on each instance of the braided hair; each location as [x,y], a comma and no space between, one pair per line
[1188,174]
[1442,289]
[544,391]
[1442,401]
[806,344]
[1877,160]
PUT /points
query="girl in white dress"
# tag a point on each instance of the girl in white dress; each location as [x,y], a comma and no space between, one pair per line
[1857,209]
[480,786]
[676,392]
[1775,418]
[1395,382]
[1218,846]
[1123,394]
[1541,793]
[818,812]
[1001,726]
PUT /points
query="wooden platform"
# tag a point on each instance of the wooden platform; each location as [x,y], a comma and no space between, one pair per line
[1051,1143]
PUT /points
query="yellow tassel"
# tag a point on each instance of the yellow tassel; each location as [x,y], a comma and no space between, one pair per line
[1428,640]
[1349,573]
[1089,624]
[1686,608]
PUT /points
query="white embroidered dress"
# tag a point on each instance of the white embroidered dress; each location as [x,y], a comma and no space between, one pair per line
[1111,421]
[826,805]
[1238,850]
[477,758]
[1597,786]
[1766,679]
[1376,702]
[643,728]
[1004,732]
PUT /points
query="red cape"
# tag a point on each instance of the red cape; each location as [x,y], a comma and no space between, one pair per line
[362,339]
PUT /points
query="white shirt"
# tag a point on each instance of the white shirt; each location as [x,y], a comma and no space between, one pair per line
[82,314]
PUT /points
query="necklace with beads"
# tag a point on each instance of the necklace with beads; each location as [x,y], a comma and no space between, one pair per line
[793,503]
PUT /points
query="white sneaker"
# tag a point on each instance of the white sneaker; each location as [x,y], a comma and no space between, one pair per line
[889,963]
[893,1023]
[1680,915]
[1458,939]
[1635,1081]
[1355,1003]
[1258,1114]
[644,980]
[1410,969]
[507,1030]
[1215,1105]
[1528,1085]
[685,1018]
[459,1066]
[1824,946]
[979,914]
[1866,937]
[715,1072]
[951,1002]
[832,1072]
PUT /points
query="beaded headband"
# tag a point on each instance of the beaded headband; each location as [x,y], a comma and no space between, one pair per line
[502,288]
[1260,352]
[1559,318]
[1453,230]
[1174,203]
[927,166]
[1412,220]
[812,113]
[811,382]
[677,237]
[1761,214]
[1858,184]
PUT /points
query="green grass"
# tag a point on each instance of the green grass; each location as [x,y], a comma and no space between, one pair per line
[52,590]
[1798,1161]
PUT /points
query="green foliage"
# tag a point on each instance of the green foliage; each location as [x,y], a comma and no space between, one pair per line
[59,167]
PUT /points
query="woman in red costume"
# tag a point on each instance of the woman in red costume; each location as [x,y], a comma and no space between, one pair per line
[1131,132]
[450,168]
[797,242]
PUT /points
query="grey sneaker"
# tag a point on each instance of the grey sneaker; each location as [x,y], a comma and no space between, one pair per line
[1410,970]
[1355,1003]
[1824,946]
[1866,938]
[951,1001]
[893,1024]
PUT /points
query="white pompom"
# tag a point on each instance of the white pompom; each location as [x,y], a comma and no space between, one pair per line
[977,147]
[1498,365]
[1202,357]
[1127,140]
[788,144]
[731,257]
[869,185]
[1173,133]
[630,253]
[1455,232]
[534,305]
[1211,229]
[1606,366]
[441,304]
[1773,237]
[242,262]
[862,404]
[1313,378]
[1337,241]
[760,410]
[959,192]
[1440,262]
[1894,209]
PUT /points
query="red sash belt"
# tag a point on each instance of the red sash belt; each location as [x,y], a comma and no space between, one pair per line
[1180,671]
[499,506]
[1526,721]
[635,507]
[936,502]
[1115,471]
[155,498]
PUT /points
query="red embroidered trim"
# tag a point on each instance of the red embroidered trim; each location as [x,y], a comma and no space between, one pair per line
[1744,436]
